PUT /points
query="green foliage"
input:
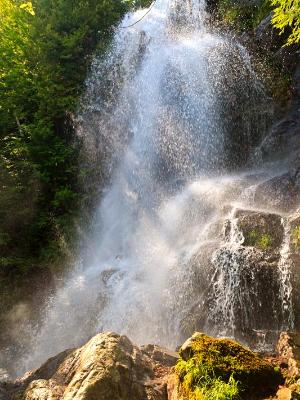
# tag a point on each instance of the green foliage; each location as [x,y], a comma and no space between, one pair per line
[46,48]
[240,15]
[286,17]
[222,369]
[261,240]
[200,383]
[296,237]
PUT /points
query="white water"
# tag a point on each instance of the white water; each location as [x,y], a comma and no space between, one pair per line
[161,104]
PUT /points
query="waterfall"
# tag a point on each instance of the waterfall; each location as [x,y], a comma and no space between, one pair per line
[285,290]
[162,115]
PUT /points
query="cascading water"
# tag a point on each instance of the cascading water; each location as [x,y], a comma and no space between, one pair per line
[165,106]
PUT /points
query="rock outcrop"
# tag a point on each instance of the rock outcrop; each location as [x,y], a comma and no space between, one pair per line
[288,349]
[108,367]
[208,365]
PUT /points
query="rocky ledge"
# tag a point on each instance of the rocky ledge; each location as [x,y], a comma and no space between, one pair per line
[110,367]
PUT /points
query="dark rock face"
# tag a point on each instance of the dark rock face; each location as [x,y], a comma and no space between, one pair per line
[269,40]
[250,288]
[267,36]
[108,367]
[283,139]
[281,193]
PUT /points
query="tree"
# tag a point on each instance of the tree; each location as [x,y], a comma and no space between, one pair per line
[46,47]
[286,16]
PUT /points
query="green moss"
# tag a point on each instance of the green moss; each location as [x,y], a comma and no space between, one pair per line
[296,237]
[263,241]
[200,382]
[222,369]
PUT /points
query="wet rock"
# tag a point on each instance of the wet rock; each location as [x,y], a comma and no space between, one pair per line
[244,295]
[288,349]
[283,140]
[108,367]
[281,193]
[203,357]
[269,39]
[3,393]
[267,36]
[294,256]
[196,288]
[283,137]
[240,286]
[261,230]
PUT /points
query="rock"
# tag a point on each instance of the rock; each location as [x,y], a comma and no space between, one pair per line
[108,367]
[160,354]
[294,255]
[282,139]
[288,349]
[205,359]
[284,393]
[271,41]
[239,292]
[4,394]
[47,370]
[265,34]
[281,193]
[295,234]
[43,390]
[261,230]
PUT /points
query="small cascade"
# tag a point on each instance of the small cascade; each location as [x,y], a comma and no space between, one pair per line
[228,296]
[250,298]
[285,287]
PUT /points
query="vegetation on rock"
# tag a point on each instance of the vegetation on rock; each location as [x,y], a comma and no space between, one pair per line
[296,237]
[222,369]
[262,241]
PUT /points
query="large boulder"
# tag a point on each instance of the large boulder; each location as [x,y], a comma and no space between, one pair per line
[108,367]
[208,365]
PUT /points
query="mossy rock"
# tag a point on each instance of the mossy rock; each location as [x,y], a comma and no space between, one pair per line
[295,236]
[207,363]
[261,230]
